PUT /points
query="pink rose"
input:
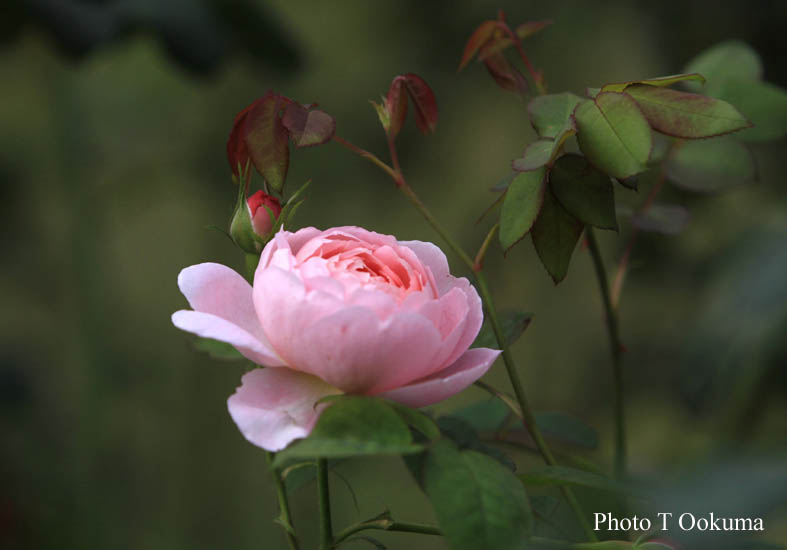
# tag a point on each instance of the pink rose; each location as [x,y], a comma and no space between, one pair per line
[343,310]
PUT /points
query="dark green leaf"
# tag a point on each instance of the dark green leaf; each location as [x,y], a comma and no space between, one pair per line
[584,192]
[555,235]
[417,420]
[478,502]
[710,166]
[550,476]
[521,206]
[614,134]
[217,350]
[732,59]
[658,81]
[685,115]
[512,322]
[488,415]
[764,104]
[354,426]
[549,113]
[465,436]
[567,428]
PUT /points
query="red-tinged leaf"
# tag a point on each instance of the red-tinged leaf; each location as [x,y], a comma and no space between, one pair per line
[266,140]
[395,104]
[424,101]
[522,31]
[479,37]
[237,152]
[686,115]
[308,128]
[506,75]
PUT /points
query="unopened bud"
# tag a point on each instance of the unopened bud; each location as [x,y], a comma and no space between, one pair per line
[264,210]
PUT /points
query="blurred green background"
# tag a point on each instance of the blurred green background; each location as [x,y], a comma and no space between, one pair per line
[114,117]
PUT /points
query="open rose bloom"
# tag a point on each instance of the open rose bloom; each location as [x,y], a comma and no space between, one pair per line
[339,311]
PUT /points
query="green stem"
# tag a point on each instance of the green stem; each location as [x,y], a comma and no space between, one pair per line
[527,413]
[387,525]
[326,529]
[284,506]
[617,354]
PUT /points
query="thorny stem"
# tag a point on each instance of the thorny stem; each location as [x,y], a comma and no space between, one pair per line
[284,506]
[616,348]
[326,529]
[385,524]
[529,419]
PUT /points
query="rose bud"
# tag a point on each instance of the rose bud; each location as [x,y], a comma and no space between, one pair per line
[254,220]
[344,310]
[264,211]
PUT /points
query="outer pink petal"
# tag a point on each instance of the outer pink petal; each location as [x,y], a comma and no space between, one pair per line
[357,352]
[220,291]
[468,368]
[211,326]
[273,407]
[473,321]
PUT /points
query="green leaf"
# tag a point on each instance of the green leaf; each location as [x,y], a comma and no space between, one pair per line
[477,501]
[549,113]
[584,192]
[660,81]
[550,476]
[710,166]
[512,322]
[542,152]
[536,155]
[217,350]
[614,134]
[488,415]
[685,115]
[732,59]
[354,426]
[555,234]
[521,206]
[417,420]
[764,104]
[567,428]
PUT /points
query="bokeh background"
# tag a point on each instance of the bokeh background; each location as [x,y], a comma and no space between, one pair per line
[113,118]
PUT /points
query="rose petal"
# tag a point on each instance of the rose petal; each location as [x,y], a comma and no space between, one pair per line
[272,407]
[473,320]
[220,291]
[206,325]
[357,352]
[471,366]
[286,309]
[433,258]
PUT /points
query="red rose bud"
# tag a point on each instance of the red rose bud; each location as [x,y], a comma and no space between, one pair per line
[261,206]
